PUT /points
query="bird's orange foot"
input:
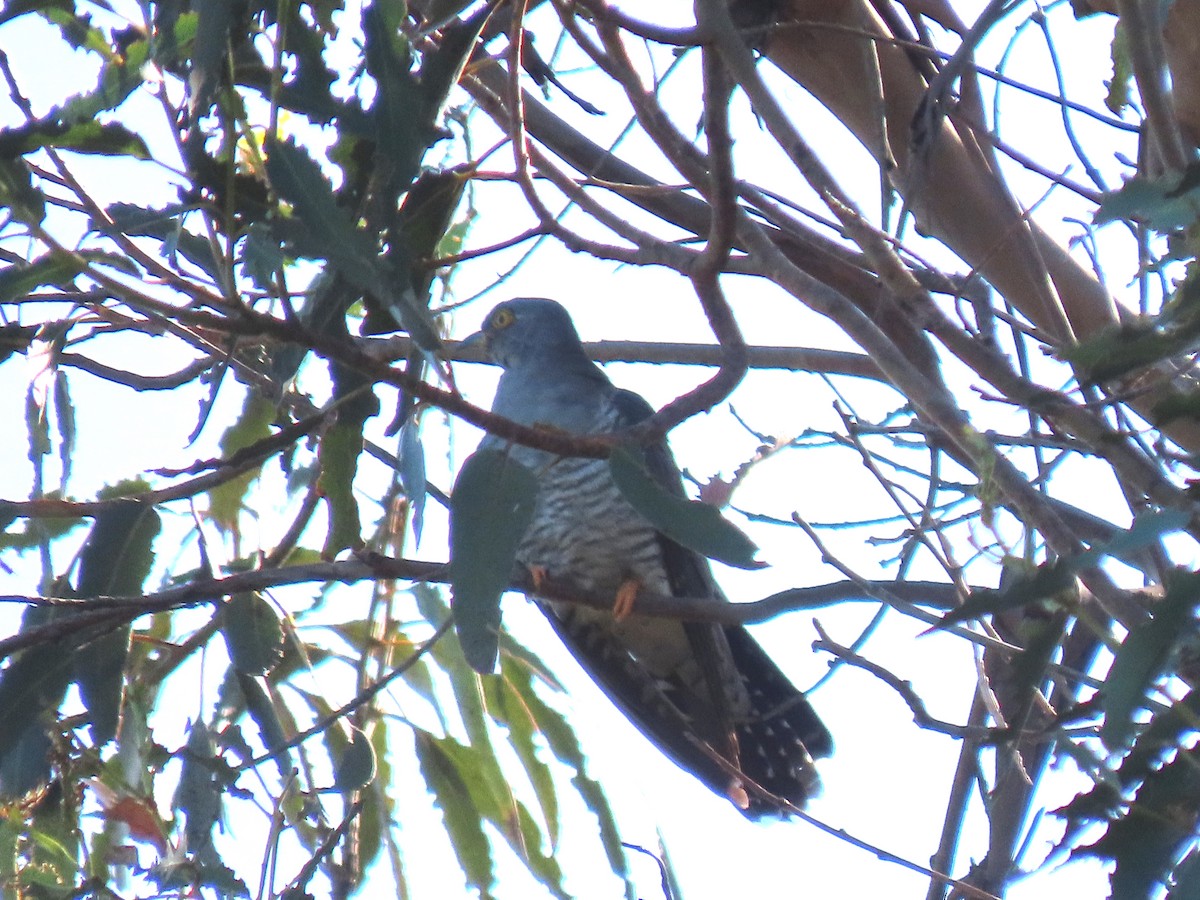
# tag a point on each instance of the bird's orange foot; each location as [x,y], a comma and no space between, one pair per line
[738,796]
[626,594]
[539,574]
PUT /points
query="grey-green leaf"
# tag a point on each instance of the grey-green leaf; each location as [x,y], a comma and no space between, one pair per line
[270,728]
[50,268]
[691,523]
[490,509]
[32,687]
[1143,655]
[356,766]
[463,823]
[208,52]
[115,560]
[252,634]
[199,792]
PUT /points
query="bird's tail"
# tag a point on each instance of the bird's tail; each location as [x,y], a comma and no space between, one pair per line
[783,735]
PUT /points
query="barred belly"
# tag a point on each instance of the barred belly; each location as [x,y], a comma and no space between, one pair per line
[585,533]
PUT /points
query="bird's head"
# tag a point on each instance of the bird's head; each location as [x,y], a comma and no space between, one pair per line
[530,330]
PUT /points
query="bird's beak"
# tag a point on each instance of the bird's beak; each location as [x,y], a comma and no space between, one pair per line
[474,347]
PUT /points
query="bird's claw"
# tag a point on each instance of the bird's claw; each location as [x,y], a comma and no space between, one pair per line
[626,595]
[540,575]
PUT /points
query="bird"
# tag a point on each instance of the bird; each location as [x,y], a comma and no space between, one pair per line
[706,694]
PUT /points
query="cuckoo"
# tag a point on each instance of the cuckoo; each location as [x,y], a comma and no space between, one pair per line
[707,695]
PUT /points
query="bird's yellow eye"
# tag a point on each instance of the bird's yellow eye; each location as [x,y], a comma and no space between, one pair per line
[502,318]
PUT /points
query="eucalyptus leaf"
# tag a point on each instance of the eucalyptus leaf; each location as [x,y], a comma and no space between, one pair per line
[695,525]
[356,767]
[115,561]
[252,633]
[490,509]
[1143,655]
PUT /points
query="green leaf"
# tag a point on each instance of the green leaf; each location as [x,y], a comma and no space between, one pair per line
[1165,203]
[262,256]
[12,829]
[131,488]
[411,472]
[262,710]
[116,560]
[441,69]
[252,633]
[441,12]
[173,34]
[37,426]
[165,225]
[253,425]
[16,8]
[120,77]
[543,865]
[32,687]
[469,704]
[104,139]
[355,768]
[117,556]
[488,776]
[490,509]
[507,702]
[1146,529]
[16,338]
[308,87]
[208,53]
[1020,590]
[487,783]
[38,531]
[99,670]
[565,746]
[199,793]
[1158,825]
[65,417]
[17,193]
[379,810]
[1143,655]
[690,523]
[78,31]
[403,126]
[340,448]
[25,764]
[1161,737]
[51,268]
[55,846]
[1127,348]
[464,825]
[299,181]
[1120,87]
[1186,878]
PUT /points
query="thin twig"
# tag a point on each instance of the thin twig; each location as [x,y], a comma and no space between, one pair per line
[904,688]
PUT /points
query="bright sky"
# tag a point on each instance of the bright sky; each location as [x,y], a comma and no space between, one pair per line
[887,783]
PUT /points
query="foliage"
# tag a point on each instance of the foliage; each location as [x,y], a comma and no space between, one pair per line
[272,204]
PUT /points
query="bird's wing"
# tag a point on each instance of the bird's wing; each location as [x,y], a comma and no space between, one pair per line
[778,737]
